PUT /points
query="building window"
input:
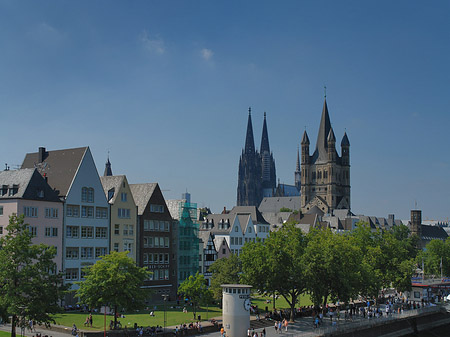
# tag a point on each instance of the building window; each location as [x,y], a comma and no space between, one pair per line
[51,212]
[13,190]
[30,212]
[100,232]
[51,231]
[145,258]
[166,258]
[166,242]
[33,230]
[110,194]
[87,211]
[116,229]
[72,253]
[101,213]
[128,246]
[1,230]
[116,246]
[166,226]
[72,231]
[72,274]
[4,189]
[123,213]
[100,251]
[130,230]
[125,230]
[1,210]
[86,252]
[73,211]
[236,229]
[87,194]
[123,196]
[156,208]
[87,232]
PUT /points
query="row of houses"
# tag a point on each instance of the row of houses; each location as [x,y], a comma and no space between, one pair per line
[69,206]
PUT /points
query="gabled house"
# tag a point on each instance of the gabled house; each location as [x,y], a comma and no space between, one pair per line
[155,249]
[123,214]
[26,192]
[73,175]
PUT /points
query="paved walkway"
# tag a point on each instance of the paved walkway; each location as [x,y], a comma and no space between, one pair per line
[303,326]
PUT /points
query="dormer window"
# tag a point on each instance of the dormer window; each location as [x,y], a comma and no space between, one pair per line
[249,229]
[13,190]
[110,194]
[40,193]
[236,229]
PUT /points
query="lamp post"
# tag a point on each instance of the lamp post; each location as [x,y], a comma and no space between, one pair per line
[165,317]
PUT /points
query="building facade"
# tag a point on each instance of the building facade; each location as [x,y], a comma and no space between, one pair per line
[325,176]
[73,175]
[26,192]
[155,249]
[123,214]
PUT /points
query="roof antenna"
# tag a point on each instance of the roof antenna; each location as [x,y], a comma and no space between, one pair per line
[415,204]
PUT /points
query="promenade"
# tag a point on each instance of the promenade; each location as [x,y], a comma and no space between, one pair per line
[303,327]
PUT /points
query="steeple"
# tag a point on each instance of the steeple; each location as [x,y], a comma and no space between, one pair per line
[249,141]
[324,130]
[108,171]
[305,139]
[345,141]
[264,138]
[297,166]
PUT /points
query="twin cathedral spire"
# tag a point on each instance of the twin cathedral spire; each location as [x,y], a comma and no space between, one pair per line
[322,179]
[257,176]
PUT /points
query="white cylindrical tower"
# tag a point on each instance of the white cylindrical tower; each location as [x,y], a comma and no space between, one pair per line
[236,309]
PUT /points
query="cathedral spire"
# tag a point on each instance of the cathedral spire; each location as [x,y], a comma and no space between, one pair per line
[249,141]
[265,138]
[324,130]
[297,166]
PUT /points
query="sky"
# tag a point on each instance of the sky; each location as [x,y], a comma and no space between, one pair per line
[164,87]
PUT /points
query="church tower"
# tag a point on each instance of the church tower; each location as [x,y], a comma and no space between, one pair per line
[108,171]
[325,176]
[249,190]
[268,174]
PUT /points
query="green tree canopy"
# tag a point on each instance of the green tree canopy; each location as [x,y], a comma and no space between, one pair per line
[333,267]
[224,271]
[30,287]
[114,281]
[276,265]
[434,251]
[196,290]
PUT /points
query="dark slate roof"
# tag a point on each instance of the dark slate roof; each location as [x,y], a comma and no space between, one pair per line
[30,185]
[331,137]
[305,139]
[142,194]
[315,210]
[265,138]
[345,141]
[274,204]
[58,166]
[433,232]
[252,210]
[321,154]
[108,170]
[204,236]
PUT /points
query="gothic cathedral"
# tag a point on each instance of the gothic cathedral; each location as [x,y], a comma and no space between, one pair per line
[325,176]
[256,177]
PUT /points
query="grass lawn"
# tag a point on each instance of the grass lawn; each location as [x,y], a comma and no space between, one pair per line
[5,334]
[175,316]
[280,303]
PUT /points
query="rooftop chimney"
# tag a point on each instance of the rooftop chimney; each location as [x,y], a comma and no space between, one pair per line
[41,154]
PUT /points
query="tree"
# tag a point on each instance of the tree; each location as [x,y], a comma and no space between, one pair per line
[114,281]
[224,271]
[333,267]
[30,287]
[276,265]
[196,290]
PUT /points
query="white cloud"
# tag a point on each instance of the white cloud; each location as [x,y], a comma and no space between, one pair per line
[207,54]
[47,34]
[152,44]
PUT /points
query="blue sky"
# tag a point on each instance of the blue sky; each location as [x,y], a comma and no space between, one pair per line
[165,87]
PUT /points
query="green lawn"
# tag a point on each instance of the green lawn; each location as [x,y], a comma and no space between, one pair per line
[5,334]
[175,316]
[280,303]
[142,318]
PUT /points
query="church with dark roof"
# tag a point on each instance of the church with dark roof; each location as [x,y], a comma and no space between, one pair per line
[322,179]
